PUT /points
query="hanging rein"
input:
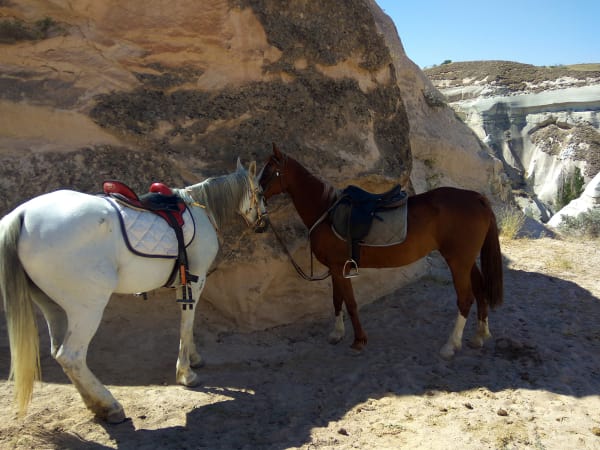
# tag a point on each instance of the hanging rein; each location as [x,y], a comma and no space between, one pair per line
[312,276]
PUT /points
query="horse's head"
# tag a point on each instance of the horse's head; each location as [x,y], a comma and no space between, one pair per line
[271,177]
[252,207]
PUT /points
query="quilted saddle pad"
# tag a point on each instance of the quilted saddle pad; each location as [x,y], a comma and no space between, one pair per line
[148,234]
[388,228]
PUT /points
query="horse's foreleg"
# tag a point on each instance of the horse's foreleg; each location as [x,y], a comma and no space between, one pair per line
[455,340]
[188,354]
[83,321]
[338,332]
[345,287]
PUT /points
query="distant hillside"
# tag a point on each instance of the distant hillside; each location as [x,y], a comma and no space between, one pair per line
[543,123]
[513,76]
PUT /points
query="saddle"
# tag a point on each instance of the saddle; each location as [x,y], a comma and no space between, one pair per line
[353,214]
[160,200]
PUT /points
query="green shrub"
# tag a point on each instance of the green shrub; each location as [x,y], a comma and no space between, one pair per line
[586,224]
[570,187]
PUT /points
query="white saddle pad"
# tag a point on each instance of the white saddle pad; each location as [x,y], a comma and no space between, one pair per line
[148,234]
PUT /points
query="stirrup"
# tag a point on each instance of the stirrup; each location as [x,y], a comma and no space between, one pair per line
[352,269]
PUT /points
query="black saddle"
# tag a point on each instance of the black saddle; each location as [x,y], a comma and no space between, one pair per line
[353,214]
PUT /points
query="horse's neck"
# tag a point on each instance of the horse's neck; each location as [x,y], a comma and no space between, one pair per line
[311,195]
[216,197]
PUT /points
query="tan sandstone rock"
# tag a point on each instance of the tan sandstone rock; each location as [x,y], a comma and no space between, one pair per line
[176,90]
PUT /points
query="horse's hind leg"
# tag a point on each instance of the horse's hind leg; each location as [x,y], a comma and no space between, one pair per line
[188,354]
[465,298]
[55,316]
[83,321]
[483,331]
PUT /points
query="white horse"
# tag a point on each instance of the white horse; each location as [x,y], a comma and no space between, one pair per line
[65,252]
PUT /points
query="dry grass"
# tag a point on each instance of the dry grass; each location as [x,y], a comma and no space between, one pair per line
[510,221]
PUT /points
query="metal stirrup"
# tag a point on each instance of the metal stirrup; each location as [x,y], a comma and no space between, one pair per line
[352,271]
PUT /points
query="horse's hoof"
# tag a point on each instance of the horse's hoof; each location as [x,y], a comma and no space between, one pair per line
[447,352]
[116,416]
[358,345]
[190,380]
[479,340]
[335,339]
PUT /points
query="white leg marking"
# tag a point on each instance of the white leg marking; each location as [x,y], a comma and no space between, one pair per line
[188,354]
[482,335]
[455,340]
[338,329]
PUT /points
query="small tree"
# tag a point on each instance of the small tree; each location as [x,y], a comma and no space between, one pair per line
[570,187]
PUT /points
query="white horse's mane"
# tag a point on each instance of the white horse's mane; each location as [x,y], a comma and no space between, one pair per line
[221,196]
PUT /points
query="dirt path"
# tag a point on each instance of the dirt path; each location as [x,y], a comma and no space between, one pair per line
[536,385]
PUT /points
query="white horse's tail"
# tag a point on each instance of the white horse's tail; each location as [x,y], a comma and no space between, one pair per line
[15,289]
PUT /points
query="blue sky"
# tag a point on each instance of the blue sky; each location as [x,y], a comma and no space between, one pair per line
[543,33]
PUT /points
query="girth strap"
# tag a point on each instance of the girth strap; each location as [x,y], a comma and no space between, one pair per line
[181,265]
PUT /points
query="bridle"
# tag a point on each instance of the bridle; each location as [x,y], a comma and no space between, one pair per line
[256,194]
[278,173]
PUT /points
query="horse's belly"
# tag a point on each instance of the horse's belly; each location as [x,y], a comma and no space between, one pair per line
[141,274]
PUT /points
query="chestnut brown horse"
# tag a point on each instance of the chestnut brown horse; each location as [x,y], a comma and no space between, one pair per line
[459,223]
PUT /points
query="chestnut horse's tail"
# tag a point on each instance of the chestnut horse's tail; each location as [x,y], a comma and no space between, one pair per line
[491,265]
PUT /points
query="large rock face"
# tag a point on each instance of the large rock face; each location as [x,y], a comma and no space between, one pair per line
[543,123]
[174,91]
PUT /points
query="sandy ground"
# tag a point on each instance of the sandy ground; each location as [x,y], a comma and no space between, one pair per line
[535,385]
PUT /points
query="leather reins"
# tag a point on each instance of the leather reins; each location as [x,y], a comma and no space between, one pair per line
[312,276]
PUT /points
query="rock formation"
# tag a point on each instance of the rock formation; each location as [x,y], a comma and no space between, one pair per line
[543,123]
[174,91]
[589,199]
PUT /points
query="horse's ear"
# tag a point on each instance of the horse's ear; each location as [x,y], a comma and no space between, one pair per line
[252,169]
[276,151]
[239,164]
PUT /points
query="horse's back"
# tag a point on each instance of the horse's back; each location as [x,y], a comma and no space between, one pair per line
[68,236]
[451,202]
[457,215]
[64,219]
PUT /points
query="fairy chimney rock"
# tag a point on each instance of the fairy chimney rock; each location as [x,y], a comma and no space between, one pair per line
[176,91]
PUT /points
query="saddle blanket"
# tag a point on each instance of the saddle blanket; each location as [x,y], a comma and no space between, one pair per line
[390,230]
[148,234]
